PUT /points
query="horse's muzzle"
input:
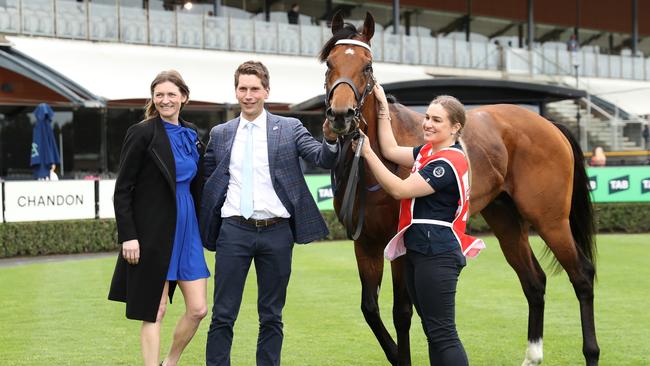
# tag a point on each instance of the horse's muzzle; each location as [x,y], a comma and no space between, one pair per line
[341,123]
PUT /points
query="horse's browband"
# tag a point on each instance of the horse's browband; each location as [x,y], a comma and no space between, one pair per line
[354,42]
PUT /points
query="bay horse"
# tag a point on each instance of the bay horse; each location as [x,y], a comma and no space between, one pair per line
[525,173]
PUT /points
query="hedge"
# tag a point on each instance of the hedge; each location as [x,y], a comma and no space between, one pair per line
[86,236]
[57,237]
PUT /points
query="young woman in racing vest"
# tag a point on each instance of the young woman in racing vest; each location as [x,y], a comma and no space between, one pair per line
[433,214]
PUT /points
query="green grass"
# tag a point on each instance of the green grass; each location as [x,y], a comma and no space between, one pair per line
[57,313]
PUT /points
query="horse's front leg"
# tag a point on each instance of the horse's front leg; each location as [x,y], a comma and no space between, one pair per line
[370,261]
[402,311]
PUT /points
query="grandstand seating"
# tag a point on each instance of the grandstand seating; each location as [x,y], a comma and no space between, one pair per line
[103,20]
[189,30]
[216,33]
[71,20]
[231,12]
[133,25]
[238,30]
[160,33]
[9,20]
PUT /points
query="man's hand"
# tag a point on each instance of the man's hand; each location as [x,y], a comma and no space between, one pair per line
[131,251]
[330,136]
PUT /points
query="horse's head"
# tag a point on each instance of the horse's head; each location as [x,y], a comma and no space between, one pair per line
[349,79]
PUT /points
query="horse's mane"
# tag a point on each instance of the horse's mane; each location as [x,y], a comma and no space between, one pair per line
[348,31]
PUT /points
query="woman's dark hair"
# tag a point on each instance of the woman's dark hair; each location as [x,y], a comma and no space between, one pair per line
[172,76]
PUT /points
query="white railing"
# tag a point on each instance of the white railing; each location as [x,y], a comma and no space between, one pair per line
[242,31]
[618,127]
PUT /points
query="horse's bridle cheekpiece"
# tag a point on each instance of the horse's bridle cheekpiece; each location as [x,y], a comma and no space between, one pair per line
[360,98]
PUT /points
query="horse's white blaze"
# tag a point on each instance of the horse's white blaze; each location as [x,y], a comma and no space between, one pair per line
[534,353]
[349,51]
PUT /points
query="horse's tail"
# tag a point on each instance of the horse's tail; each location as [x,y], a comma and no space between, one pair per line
[581,217]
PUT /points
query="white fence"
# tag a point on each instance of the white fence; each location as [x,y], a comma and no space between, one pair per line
[241,31]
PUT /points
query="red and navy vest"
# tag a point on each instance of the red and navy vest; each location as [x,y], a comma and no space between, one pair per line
[470,245]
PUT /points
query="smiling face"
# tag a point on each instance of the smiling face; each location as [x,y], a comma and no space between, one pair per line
[438,129]
[168,100]
[251,95]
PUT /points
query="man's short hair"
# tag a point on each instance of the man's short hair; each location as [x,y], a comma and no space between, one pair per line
[253,68]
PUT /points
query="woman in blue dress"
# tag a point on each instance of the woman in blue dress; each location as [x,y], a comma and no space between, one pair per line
[156,197]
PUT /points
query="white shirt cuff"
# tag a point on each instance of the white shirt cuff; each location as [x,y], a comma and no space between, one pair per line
[333,147]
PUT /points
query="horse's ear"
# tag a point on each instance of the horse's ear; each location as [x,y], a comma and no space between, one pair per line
[369,27]
[337,22]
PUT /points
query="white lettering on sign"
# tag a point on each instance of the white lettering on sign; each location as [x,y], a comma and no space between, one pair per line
[325,193]
[646,183]
[619,185]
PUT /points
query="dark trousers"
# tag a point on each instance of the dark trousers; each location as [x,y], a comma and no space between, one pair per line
[271,249]
[431,283]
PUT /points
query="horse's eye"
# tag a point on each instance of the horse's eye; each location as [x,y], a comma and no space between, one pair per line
[328,64]
[368,68]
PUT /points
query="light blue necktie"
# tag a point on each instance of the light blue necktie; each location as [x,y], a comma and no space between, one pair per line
[246,204]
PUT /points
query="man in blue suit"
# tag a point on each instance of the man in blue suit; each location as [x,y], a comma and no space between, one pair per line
[255,205]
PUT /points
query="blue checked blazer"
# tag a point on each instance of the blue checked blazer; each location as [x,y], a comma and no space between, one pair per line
[287,140]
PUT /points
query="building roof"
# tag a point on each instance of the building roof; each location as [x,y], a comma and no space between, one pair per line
[118,71]
[40,74]
[468,91]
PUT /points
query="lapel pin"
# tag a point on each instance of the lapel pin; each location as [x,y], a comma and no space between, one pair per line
[275,128]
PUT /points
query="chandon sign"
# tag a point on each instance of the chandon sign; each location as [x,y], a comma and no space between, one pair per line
[49,200]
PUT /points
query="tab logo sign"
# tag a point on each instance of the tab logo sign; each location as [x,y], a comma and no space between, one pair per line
[619,184]
[593,183]
[325,193]
[645,185]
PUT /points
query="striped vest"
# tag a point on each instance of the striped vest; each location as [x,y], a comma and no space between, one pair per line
[470,245]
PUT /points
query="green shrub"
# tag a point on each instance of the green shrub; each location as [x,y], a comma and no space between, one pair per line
[57,237]
[87,236]
[623,217]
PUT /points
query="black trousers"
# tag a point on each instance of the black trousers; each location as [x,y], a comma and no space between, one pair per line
[237,246]
[431,283]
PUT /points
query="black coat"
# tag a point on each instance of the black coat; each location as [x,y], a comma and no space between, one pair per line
[145,209]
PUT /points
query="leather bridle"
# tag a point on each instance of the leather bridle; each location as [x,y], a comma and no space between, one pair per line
[356,173]
[360,98]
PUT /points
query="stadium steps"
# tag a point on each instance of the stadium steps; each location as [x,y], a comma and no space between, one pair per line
[599,130]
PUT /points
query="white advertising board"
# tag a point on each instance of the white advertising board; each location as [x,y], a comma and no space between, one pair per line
[106,188]
[49,200]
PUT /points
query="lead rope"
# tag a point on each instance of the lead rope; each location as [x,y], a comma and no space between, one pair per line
[355,177]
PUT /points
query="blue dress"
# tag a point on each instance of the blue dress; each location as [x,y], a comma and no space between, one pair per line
[187,261]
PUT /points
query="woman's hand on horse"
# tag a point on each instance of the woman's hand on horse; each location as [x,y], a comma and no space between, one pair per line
[131,251]
[328,134]
[365,149]
[381,98]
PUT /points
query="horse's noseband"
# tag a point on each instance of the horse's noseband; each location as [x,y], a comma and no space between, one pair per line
[357,98]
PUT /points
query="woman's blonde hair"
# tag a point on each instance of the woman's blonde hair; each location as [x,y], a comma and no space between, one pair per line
[172,76]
